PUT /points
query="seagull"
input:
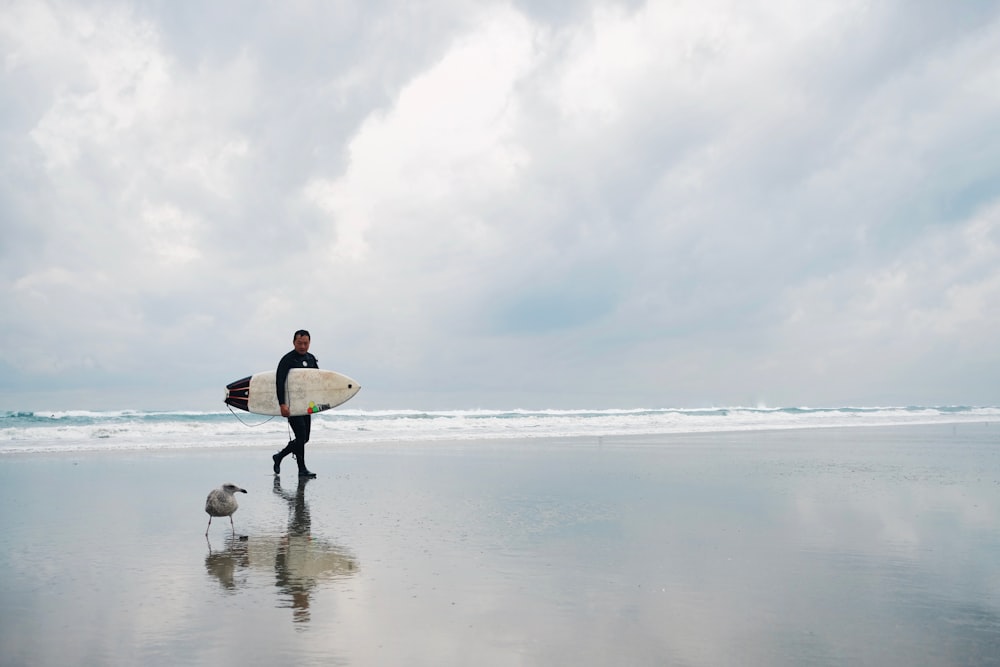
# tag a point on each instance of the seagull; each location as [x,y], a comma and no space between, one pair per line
[221,502]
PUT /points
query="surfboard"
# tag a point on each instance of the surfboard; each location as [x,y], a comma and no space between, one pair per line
[308,390]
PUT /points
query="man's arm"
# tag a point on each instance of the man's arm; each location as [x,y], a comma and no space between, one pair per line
[280,378]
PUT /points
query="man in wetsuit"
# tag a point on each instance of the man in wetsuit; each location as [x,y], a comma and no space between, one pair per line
[300,357]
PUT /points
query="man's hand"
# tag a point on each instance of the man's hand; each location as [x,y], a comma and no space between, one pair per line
[284,410]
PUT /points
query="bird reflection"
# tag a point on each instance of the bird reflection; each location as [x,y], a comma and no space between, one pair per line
[301,560]
[223,565]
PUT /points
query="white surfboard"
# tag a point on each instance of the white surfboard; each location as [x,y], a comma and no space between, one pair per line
[308,390]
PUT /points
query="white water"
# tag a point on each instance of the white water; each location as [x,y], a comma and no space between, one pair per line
[74,431]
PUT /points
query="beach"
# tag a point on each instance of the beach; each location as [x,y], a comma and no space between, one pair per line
[819,546]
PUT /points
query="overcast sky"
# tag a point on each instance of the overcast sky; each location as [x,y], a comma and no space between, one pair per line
[472,204]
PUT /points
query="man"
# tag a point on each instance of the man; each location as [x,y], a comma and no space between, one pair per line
[300,424]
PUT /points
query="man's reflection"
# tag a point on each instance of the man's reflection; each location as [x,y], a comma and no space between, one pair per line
[301,560]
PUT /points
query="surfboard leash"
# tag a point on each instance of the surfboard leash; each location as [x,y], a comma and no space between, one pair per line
[240,419]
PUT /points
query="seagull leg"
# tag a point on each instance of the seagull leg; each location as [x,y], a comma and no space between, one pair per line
[209,524]
[232,524]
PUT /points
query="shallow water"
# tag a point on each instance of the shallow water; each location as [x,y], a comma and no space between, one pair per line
[813,547]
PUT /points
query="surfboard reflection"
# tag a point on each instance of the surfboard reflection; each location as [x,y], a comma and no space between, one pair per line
[299,560]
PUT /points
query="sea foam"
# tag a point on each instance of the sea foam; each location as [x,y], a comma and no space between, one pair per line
[80,430]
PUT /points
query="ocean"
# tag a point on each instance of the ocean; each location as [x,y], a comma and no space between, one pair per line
[85,431]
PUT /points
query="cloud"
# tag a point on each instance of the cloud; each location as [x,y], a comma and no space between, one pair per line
[625,203]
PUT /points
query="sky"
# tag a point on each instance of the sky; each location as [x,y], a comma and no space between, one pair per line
[483,204]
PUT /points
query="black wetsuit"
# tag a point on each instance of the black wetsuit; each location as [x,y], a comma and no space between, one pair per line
[301,424]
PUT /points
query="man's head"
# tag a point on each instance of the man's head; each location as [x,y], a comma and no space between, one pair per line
[301,341]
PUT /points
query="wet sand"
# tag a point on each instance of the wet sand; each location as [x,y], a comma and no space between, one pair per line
[812,547]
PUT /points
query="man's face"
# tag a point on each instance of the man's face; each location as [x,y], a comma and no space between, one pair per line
[301,344]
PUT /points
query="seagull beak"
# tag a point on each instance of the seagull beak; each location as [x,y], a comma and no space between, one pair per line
[243,490]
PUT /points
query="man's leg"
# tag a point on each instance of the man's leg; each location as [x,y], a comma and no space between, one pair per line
[301,427]
[289,448]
